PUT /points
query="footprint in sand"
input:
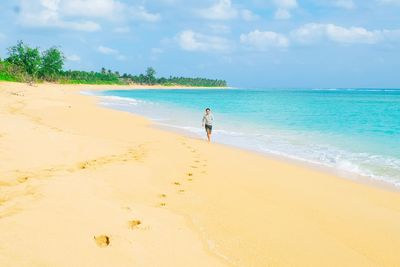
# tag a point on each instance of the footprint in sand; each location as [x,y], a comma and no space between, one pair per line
[22,179]
[181,191]
[83,165]
[102,240]
[162,195]
[190,179]
[193,167]
[134,224]
[162,204]
[190,174]
[177,183]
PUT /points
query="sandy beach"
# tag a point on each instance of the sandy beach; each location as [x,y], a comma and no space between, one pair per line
[82,185]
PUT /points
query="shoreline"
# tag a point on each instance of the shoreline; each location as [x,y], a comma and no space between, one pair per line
[125,86]
[342,174]
[97,169]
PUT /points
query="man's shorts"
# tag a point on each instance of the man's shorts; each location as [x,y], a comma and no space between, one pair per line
[208,128]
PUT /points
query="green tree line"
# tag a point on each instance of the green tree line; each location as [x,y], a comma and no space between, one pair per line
[28,64]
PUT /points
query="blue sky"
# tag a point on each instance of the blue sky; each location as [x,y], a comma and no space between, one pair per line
[253,43]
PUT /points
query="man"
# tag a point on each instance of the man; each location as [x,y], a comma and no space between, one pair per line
[207,123]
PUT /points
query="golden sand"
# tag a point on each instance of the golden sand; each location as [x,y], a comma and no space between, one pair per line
[81,185]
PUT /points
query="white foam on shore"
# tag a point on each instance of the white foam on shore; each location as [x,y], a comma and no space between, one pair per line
[291,146]
[339,160]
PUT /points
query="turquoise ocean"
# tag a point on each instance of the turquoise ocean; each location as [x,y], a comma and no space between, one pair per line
[354,131]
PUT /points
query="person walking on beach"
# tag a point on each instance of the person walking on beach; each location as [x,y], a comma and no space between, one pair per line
[207,122]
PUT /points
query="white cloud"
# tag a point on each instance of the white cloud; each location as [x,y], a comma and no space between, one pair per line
[284,7]
[224,10]
[107,50]
[346,4]
[79,14]
[247,15]
[192,41]
[86,26]
[287,4]
[263,40]
[352,34]
[48,20]
[111,52]
[140,13]
[46,13]
[109,9]
[73,57]
[221,10]
[313,32]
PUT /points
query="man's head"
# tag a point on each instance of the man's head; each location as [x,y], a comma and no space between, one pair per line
[208,110]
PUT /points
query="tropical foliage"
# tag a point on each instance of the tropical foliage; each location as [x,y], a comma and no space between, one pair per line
[52,64]
[10,72]
[25,57]
[85,77]
[27,64]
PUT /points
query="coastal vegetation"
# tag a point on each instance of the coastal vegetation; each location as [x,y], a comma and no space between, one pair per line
[30,64]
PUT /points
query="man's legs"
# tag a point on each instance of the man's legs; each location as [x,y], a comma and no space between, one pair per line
[209,135]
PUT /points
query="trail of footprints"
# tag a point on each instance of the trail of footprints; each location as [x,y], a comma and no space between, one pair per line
[14,186]
[133,154]
[197,166]
[136,154]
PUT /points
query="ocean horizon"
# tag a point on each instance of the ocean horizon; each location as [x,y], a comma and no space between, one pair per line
[350,130]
